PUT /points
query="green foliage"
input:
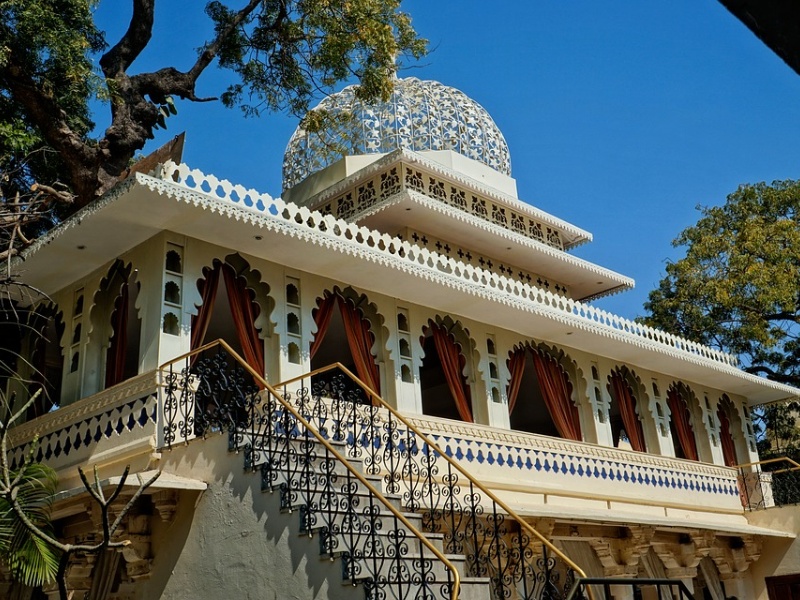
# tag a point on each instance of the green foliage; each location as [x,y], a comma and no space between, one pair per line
[286,52]
[738,287]
[31,560]
[49,44]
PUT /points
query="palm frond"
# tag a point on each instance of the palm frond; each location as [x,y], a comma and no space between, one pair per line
[31,559]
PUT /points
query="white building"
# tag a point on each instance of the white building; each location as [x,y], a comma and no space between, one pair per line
[412,262]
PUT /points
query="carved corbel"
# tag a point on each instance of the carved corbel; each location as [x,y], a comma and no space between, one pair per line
[620,556]
[734,555]
[166,503]
[682,554]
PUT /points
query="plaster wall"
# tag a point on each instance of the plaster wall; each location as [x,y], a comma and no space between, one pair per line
[233,541]
[779,556]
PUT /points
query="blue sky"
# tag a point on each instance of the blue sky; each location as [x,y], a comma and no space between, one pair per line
[621,117]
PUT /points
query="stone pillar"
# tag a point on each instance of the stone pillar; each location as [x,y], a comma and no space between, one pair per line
[738,587]
[733,557]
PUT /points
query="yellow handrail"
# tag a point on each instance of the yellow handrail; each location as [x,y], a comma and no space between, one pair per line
[795,465]
[456,465]
[456,589]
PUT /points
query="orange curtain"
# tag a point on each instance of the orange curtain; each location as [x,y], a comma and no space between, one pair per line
[557,394]
[116,354]
[726,439]
[244,317]
[322,318]
[680,419]
[627,408]
[452,365]
[208,293]
[516,366]
[360,340]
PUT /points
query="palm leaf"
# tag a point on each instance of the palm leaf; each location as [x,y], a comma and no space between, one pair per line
[31,559]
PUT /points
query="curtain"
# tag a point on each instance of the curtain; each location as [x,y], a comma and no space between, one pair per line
[322,318]
[726,439]
[244,319]
[360,340]
[516,366]
[557,394]
[683,428]
[627,408]
[451,359]
[39,375]
[208,295]
[116,354]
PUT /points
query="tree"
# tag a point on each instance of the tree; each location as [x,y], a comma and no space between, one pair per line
[283,53]
[738,287]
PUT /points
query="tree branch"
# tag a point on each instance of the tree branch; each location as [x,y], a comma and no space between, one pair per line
[117,60]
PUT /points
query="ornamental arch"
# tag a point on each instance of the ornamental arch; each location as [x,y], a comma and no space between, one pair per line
[350,330]
[235,306]
[447,371]
[684,424]
[629,417]
[543,392]
[115,330]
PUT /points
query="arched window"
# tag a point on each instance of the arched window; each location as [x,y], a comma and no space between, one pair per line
[728,422]
[445,389]
[47,360]
[683,436]
[231,303]
[345,335]
[30,356]
[624,414]
[540,395]
[116,328]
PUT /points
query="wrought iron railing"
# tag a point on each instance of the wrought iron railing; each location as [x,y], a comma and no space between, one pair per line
[499,544]
[660,589]
[769,483]
[213,390]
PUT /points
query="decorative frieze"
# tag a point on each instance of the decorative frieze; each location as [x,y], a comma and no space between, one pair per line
[361,197]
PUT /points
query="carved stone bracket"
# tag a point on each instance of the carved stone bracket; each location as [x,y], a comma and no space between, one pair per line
[734,555]
[620,556]
[166,503]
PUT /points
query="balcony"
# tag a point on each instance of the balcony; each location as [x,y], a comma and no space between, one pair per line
[538,475]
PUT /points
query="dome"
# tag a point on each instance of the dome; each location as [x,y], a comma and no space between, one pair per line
[419,115]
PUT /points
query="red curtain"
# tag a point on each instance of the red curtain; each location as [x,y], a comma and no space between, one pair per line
[726,439]
[322,318]
[360,340]
[452,365]
[557,393]
[627,408]
[208,293]
[244,317]
[516,366]
[683,427]
[116,354]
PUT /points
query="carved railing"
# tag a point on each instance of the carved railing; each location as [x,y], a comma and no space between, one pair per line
[769,483]
[213,390]
[383,247]
[520,562]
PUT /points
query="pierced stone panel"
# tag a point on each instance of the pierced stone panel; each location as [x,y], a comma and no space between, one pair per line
[419,115]
[354,201]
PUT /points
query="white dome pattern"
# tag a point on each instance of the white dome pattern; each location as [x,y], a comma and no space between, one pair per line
[419,115]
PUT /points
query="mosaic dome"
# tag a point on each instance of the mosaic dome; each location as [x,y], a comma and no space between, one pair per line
[419,115]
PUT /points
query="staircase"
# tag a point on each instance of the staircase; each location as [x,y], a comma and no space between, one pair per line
[403,519]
